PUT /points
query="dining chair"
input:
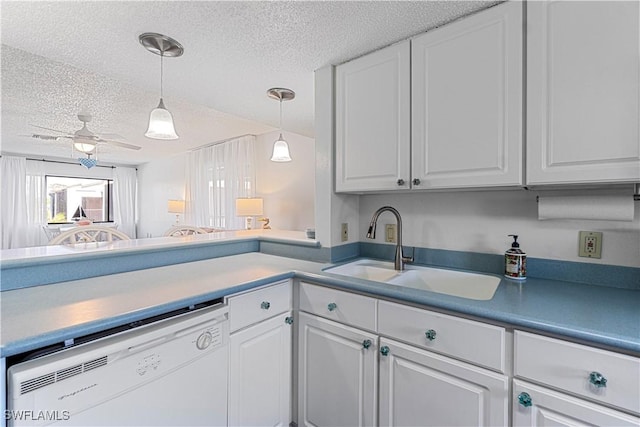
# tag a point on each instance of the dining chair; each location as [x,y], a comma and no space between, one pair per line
[88,234]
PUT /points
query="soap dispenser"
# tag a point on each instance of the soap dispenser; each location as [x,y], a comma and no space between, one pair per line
[515,261]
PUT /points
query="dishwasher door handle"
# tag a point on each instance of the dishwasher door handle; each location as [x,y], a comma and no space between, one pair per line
[143,346]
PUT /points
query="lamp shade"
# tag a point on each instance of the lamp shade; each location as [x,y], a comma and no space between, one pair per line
[161,124]
[280,151]
[248,207]
[175,206]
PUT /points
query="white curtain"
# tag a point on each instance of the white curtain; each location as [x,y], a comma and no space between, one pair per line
[124,199]
[216,177]
[24,203]
[36,202]
[13,181]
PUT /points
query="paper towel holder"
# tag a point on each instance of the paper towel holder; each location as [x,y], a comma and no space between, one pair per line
[636,193]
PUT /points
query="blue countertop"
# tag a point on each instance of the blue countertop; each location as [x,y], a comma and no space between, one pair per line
[38,316]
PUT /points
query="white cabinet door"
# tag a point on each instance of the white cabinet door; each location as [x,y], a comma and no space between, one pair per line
[419,388]
[373,120]
[260,374]
[583,91]
[467,101]
[540,407]
[337,374]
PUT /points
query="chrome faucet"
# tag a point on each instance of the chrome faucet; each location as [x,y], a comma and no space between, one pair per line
[400,260]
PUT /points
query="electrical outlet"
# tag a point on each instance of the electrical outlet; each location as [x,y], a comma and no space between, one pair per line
[344,232]
[590,244]
[390,233]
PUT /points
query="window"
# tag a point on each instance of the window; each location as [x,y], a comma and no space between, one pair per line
[72,198]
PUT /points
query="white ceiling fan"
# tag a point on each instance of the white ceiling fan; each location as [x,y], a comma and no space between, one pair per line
[83,140]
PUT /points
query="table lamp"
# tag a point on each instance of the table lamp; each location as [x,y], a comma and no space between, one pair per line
[248,208]
[176,207]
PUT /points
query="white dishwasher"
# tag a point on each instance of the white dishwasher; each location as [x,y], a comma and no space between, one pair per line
[172,372]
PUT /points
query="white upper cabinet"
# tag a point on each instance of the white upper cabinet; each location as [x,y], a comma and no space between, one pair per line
[467,102]
[443,110]
[583,92]
[373,121]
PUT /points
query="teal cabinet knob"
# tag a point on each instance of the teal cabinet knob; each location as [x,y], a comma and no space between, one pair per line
[524,399]
[288,320]
[384,350]
[265,305]
[332,306]
[366,344]
[597,379]
[430,334]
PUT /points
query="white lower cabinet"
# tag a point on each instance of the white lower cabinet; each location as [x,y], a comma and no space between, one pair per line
[352,377]
[337,374]
[541,407]
[260,374]
[260,357]
[367,362]
[420,388]
[561,383]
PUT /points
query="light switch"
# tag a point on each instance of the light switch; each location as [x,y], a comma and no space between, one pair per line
[390,233]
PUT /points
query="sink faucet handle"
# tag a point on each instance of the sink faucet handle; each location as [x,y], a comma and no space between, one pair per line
[409,259]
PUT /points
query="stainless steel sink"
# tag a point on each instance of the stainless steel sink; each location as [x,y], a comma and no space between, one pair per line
[463,284]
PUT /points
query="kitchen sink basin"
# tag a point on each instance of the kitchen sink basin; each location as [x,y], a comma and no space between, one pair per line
[463,284]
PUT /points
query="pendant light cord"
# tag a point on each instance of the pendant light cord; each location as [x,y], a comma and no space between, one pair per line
[161,72]
[281,114]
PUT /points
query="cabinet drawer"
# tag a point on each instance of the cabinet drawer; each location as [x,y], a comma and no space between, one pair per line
[548,407]
[254,306]
[475,342]
[351,309]
[568,366]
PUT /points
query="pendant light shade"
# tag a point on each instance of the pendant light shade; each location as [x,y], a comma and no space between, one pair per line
[280,151]
[280,146]
[160,120]
[161,124]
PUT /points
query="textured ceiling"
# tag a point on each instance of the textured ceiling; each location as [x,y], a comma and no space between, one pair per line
[62,57]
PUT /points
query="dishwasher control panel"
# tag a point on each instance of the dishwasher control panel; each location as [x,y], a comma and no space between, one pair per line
[149,362]
[212,336]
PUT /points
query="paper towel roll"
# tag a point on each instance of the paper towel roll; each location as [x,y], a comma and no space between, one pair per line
[606,208]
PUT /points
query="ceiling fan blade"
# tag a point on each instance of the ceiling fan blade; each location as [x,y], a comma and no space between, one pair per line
[111,136]
[46,137]
[53,130]
[118,144]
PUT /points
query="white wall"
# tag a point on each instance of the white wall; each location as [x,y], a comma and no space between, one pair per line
[288,189]
[479,221]
[331,209]
[158,182]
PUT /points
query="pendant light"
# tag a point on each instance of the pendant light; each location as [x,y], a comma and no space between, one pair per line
[160,120]
[280,147]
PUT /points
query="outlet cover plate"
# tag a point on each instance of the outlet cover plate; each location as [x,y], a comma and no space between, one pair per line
[344,232]
[590,244]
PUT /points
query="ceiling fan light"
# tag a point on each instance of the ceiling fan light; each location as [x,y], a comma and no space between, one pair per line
[161,124]
[280,151]
[84,147]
